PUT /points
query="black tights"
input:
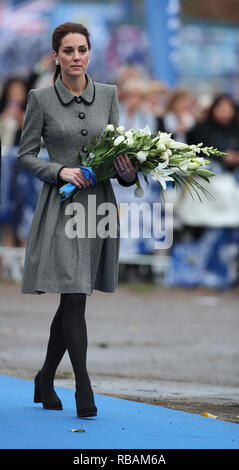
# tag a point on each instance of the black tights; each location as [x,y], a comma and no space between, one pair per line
[69,332]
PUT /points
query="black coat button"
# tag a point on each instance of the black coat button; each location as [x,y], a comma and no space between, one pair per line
[84,149]
[78,99]
[84,132]
[53,180]
[82,115]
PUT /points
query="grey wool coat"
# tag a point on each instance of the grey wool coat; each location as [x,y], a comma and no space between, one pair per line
[54,261]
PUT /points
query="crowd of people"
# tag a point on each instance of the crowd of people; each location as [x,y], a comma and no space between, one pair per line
[213,120]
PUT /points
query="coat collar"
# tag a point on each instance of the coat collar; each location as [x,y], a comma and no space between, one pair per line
[66,96]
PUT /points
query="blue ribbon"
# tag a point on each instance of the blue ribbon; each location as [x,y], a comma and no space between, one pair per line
[88,173]
[67,189]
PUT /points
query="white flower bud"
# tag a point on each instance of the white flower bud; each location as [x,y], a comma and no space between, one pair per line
[160,146]
[141,155]
[138,192]
[120,129]
[193,165]
[178,145]
[119,139]
[129,142]
[110,127]
[129,134]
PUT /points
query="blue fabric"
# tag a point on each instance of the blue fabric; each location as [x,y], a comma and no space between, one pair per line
[120,424]
[8,212]
[88,173]
[209,261]
[20,192]
[67,188]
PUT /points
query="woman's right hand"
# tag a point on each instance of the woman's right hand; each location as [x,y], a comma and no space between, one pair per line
[75,176]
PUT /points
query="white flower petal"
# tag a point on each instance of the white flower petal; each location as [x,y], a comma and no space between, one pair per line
[163,180]
[129,142]
[163,164]
[120,129]
[147,130]
[160,146]
[141,155]
[178,145]
[119,139]
[110,127]
[129,134]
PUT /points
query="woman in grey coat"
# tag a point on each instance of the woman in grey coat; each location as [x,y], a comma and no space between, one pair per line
[68,115]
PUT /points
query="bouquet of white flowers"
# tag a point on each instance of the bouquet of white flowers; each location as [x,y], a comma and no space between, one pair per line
[157,155]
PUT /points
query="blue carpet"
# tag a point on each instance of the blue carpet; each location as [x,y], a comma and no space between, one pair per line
[120,424]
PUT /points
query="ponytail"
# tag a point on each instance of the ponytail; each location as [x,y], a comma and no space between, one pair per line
[57,72]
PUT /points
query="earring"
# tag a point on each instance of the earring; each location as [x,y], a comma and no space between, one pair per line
[56,62]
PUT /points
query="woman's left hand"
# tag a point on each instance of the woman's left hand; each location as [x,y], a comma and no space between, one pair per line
[124,167]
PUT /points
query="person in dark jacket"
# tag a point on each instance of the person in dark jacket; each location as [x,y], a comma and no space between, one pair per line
[220,129]
[206,250]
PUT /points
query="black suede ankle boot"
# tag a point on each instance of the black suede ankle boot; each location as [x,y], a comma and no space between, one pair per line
[84,412]
[53,402]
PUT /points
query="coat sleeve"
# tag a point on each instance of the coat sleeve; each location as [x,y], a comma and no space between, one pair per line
[30,144]
[114,119]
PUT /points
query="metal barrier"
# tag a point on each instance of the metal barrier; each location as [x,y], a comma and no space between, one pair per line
[12,262]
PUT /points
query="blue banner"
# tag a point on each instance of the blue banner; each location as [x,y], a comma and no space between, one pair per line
[163,29]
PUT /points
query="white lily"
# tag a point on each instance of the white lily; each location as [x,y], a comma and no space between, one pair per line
[164,134]
[162,165]
[162,177]
[161,174]
[181,168]
[165,139]
[184,165]
[147,130]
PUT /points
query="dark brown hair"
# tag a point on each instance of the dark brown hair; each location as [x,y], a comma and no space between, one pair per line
[216,102]
[61,31]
